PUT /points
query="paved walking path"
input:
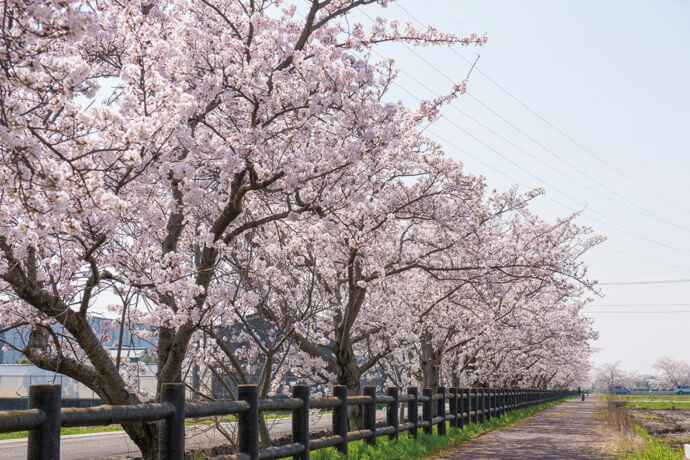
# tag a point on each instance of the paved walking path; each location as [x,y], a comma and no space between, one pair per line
[565,431]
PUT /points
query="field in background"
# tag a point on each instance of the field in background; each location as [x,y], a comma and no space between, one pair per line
[659,405]
[654,397]
[644,434]
[654,401]
[665,417]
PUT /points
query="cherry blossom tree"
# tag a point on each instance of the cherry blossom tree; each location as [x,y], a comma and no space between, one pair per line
[141,140]
[416,269]
[610,375]
[206,162]
[519,295]
[671,372]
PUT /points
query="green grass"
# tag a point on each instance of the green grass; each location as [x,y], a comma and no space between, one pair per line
[425,445]
[653,402]
[653,449]
[658,405]
[654,397]
[64,431]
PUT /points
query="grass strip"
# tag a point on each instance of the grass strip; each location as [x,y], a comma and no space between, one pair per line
[425,444]
[64,431]
[653,449]
[646,396]
[658,405]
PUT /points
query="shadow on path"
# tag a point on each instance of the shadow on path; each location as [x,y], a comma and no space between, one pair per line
[565,431]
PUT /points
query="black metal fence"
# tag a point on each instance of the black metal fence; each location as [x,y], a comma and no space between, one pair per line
[45,417]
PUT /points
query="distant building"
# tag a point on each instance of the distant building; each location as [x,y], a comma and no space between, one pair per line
[644,383]
[133,346]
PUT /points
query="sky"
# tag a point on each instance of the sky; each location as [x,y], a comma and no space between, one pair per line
[589,100]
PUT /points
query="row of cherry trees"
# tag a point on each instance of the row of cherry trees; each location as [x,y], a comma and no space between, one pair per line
[188,165]
[669,374]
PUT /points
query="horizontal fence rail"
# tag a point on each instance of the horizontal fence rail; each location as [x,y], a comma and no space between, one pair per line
[44,418]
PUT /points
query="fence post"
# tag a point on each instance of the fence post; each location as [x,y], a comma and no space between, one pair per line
[499,406]
[340,417]
[492,404]
[474,400]
[453,407]
[488,403]
[441,411]
[171,438]
[248,422]
[503,402]
[392,411]
[369,415]
[497,403]
[300,420]
[458,407]
[426,410]
[482,405]
[462,407]
[44,441]
[413,410]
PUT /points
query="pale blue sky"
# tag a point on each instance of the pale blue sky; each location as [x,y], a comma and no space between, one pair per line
[613,76]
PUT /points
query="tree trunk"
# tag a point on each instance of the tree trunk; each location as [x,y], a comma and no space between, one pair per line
[430,369]
[431,365]
[264,435]
[350,376]
[196,381]
[145,436]
[456,380]
[110,390]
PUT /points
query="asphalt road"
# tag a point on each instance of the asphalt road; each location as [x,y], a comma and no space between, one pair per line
[117,445]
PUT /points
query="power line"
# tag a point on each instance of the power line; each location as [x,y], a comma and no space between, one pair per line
[629,283]
[607,305]
[474,157]
[648,259]
[622,229]
[534,176]
[631,205]
[625,229]
[554,127]
[636,312]
[614,225]
[625,202]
